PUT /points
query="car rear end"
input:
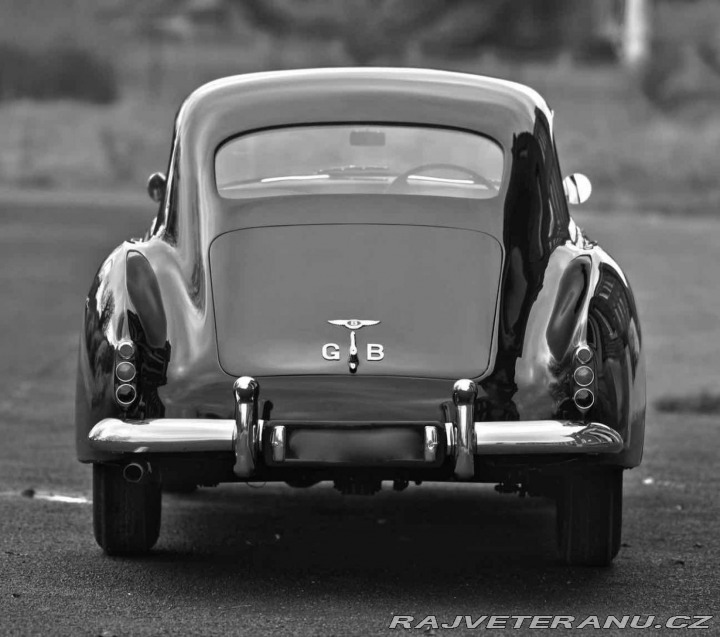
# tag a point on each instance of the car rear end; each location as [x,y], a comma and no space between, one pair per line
[357,279]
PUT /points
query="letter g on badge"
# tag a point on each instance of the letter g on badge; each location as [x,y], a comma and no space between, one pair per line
[331,352]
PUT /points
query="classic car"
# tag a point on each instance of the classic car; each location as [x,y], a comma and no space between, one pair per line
[357,276]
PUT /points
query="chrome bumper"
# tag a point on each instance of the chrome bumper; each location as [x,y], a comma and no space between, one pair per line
[243,436]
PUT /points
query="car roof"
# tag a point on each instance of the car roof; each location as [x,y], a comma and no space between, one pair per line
[233,106]
[237,104]
[429,81]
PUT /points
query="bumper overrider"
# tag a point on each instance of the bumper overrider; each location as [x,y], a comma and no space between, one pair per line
[352,443]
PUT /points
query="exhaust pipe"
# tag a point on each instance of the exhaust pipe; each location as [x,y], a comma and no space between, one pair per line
[136,472]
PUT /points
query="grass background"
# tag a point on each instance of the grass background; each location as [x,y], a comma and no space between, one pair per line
[639,154]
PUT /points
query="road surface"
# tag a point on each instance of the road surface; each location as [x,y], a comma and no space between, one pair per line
[268,560]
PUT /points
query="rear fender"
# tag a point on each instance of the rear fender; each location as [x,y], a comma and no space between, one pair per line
[124,304]
[583,299]
[614,332]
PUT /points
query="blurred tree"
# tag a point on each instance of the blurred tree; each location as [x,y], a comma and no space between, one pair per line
[681,69]
[510,26]
[371,29]
[367,28]
[61,71]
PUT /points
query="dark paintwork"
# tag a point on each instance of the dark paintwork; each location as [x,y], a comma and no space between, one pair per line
[557,289]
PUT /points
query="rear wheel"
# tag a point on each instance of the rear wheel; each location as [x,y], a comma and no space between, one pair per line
[589,516]
[126,515]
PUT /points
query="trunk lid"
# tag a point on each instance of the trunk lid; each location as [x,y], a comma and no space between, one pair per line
[434,291]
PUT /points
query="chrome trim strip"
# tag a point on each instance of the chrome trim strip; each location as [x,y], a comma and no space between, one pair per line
[450,438]
[464,396]
[162,435]
[258,437]
[277,442]
[187,435]
[246,391]
[431,443]
[545,436]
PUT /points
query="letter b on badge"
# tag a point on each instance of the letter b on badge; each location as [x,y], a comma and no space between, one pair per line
[375,352]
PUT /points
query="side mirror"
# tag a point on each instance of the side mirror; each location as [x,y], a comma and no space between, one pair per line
[156,185]
[577,188]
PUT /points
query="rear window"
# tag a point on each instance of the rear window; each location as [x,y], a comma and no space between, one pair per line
[358,159]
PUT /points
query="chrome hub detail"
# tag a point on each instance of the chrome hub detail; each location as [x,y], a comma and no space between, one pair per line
[464,395]
[277,442]
[246,390]
[431,443]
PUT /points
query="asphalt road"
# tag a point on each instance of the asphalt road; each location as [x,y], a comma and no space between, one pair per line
[242,560]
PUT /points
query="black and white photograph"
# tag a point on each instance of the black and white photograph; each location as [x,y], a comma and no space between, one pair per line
[359,317]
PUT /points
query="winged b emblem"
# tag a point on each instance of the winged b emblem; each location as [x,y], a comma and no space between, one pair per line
[353,324]
[331,351]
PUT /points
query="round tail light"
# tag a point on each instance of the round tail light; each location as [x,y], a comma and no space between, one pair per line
[584,354]
[584,376]
[584,399]
[125,394]
[126,349]
[125,371]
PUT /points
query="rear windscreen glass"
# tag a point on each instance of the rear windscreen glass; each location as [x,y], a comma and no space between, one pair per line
[357,159]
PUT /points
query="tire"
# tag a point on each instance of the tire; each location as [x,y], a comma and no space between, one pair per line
[126,515]
[589,517]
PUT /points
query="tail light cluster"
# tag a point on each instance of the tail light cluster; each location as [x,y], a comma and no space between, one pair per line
[584,378]
[125,374]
